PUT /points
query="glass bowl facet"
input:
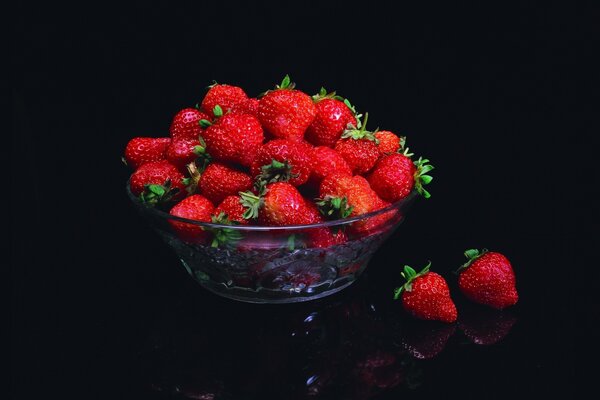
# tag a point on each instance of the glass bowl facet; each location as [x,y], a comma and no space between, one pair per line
[284,264]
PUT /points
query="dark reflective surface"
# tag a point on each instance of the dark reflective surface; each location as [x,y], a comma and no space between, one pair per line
[354,345]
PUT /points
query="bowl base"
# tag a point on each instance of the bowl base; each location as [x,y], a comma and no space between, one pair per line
[267,296]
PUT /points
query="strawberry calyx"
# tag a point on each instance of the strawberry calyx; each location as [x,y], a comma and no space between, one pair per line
[323,94]
[286,83]
[277,171]
[334,207]
[224,236]
[217,112]
[360,131]
[421,177]
[410,275]
[252,203]
[203,158]
[154,194]
[472,255]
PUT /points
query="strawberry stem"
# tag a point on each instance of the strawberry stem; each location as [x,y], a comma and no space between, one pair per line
[410,275]
[355,133]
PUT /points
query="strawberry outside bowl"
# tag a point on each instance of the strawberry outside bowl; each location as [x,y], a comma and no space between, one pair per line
[269,264]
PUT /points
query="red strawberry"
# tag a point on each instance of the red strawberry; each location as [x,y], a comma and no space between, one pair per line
[395,176]
[324,237]
[333,117]
[232,207]
[293,162]
[194,207]
[181,152]
[234,138]
[359,148]
[225,96]
[186,124]
[249,106]
[157,182]
[219,181]
[425,295]
[488,278]
[389,142]
[321,237]
[344,195]
[326,161]
[284,205]
[141,150]
[285,112]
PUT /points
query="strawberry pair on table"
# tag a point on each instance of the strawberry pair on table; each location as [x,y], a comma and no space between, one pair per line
[284,159]
[486,278]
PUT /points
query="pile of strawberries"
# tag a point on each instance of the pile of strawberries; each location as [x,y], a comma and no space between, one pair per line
[286,158]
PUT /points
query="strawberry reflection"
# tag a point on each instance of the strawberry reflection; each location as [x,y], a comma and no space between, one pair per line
[484,326]
[348,346]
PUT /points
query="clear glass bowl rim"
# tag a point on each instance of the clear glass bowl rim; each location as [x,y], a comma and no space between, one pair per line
[394,206]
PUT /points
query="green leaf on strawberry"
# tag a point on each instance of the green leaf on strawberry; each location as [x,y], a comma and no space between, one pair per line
[224,237]
[360,132]
[154,194]
[252,203]
[472,255]
[277,171]
[334,207]
[410,275]
[421,177]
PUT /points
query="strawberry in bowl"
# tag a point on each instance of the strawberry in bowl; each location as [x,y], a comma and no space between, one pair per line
[276,199]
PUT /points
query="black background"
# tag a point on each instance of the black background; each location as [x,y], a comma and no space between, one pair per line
[500,99]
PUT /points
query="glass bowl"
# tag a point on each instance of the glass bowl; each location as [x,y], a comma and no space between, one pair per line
[269,264]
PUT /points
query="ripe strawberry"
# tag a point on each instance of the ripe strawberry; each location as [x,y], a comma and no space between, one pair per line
[488,278]
[225,96]
[360,198]
[324,237]
[232,207]
[181,152]
[343,195]
[389,142]
[186,124]
[157,182]
[395,175]
[283,160]
[141,150]
[359,148]
[285,112]
[219,181]
[249,106]
[425,295]
[194,207]
[234,138]
[333,116]
[326,161]
[320,237]
[284,205]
